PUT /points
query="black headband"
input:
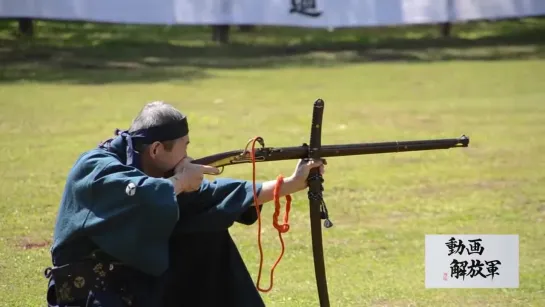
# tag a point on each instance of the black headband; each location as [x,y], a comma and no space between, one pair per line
[167,132]
[161,133]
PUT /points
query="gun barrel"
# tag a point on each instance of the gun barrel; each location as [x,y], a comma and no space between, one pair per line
[392,147]
[301,152]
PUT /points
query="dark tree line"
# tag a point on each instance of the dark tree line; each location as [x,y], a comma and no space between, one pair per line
[220,33]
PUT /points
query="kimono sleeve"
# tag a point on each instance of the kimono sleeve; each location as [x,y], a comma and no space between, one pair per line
[217,205]
[130,215]
[249,216]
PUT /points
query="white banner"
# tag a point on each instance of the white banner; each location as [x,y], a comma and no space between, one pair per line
[472,261]
[496,9]
[299,13]
[303,13]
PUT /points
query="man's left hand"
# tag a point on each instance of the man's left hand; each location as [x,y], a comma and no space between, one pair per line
[302,170]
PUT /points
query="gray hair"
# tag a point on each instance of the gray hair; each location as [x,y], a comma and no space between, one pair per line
[154,114]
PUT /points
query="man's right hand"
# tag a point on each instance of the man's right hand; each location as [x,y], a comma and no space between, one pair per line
[189,176]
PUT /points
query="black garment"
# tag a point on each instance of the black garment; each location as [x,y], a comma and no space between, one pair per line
[98,280]
[206,268]
[94,299]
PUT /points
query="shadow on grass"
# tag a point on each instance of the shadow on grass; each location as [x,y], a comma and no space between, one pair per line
[101,53]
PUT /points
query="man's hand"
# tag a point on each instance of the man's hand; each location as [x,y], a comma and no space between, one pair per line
[292,184]
[188,176]
[302,170]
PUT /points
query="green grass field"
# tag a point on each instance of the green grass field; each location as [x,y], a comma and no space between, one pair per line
[70,87]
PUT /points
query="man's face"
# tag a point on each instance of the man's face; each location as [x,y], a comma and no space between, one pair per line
[165,159]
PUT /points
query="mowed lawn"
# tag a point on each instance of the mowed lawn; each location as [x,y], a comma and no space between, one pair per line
[59,98]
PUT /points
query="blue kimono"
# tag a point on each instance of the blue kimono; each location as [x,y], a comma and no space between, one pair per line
[128,216]
[206,267]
